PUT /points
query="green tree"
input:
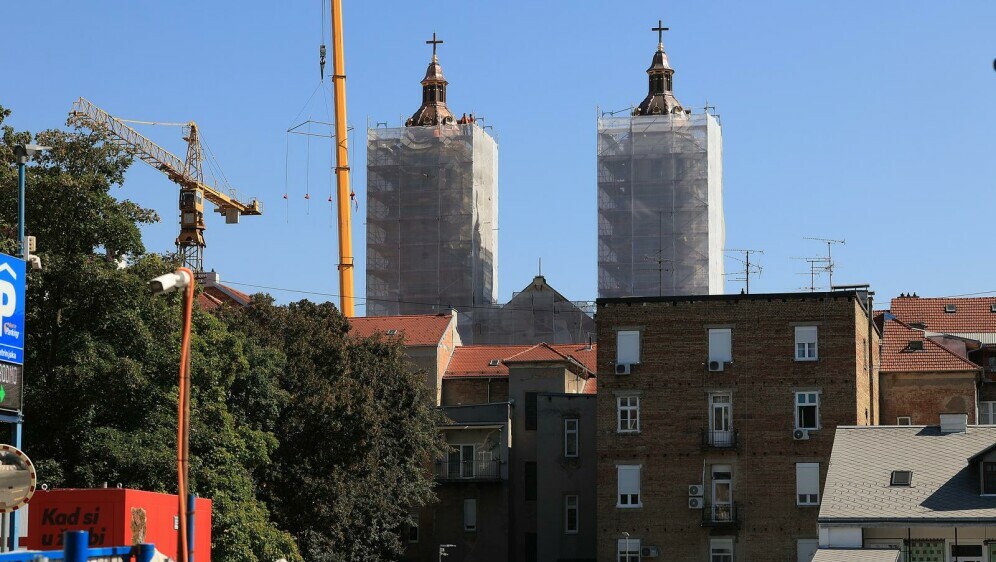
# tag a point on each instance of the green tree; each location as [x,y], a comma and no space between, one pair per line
[356,434]
[102,354]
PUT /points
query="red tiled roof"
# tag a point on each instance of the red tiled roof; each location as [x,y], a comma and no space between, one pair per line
[213,296]
[896,355]
[475,360]
[590,386]
[416,330]
[973,315]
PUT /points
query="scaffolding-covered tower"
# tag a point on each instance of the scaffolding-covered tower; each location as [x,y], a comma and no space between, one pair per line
[660,197]
[432,210]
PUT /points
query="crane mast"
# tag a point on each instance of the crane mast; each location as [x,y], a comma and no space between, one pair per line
[343,191]
[188,174]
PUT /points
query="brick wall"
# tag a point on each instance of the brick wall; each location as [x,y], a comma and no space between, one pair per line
[474,390]
[924,396]
[674,387]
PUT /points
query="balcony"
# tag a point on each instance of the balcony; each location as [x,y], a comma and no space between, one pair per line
[721,515]
[469,471]
[719,439]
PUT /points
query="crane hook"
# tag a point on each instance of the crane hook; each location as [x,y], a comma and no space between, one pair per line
[321,60]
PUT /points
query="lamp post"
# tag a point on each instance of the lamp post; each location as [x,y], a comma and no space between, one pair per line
[182,278]
[626,535]
[22,153]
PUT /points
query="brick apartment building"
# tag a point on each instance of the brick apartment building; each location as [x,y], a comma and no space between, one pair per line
[715,431]
[939,357]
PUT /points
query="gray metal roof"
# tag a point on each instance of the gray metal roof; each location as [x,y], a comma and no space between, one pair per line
[853,555]
[944,489]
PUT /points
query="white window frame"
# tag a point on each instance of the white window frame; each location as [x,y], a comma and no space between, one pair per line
[721,344]
[470,515]
[721,545]
[804,487]
[810,349]
[633,414]
[987,409]
[628,550]
[571,504]
[797,404]
[899,420]
[625,497]
[571,437]
[628,347]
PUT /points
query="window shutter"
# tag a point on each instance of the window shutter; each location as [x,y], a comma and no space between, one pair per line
[470,515]
[805,334]
[629,480]
[807,478]
[720,345]
[628,347]
[530,410]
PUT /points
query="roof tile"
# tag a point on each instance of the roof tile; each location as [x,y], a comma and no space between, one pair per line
[933,357]
[414,330]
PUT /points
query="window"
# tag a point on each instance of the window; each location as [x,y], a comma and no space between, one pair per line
[628,550]
[807,410]
[805,343]
[721,420]
[628,414]
[720,345]
[530,411]
[901,478]
[989,478]
[532,551]
[721,550]
[470,515]
[805,549]
[571,437]
[413,529]
[987,413]
[627,347]
[530,477]
[807,483]
[904,420]
[461,461]
[629,486]
[570,514]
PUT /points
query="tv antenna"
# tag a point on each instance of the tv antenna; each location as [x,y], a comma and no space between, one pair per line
[828,265]
[817,266]
[749,268]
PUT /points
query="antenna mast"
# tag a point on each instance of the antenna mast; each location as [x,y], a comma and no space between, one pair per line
[749,268]
[829,259]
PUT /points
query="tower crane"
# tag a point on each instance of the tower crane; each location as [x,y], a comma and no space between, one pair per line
[188,174]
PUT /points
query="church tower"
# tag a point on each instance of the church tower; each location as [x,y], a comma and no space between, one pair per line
[432,209]
[661,229]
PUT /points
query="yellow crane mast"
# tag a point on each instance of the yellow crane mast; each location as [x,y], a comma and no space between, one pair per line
[188,174]
[346,288]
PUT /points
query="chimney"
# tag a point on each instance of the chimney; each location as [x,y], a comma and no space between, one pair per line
[954,423]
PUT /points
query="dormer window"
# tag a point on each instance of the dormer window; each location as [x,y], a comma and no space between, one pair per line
[992,307]
[915,345]
[493,363]
[391,332]
[901,478]
[989,478]
[950,308]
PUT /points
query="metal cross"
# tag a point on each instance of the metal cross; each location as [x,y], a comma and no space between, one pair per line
[434,42]
[660,29]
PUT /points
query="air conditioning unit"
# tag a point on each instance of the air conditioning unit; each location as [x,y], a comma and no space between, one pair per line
[695,490]
[716,366]
[695,503]
[649,552]
[623,368]
[800,434]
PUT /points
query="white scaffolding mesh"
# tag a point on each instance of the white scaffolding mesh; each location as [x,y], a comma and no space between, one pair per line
[660,206]
[432,212]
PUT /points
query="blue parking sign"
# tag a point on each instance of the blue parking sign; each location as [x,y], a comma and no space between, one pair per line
[12,299]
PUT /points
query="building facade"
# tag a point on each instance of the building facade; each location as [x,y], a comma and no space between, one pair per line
[432,210]
[661,229]
[715,420]
[926,492]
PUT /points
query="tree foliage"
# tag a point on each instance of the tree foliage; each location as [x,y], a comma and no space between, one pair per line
[310,444]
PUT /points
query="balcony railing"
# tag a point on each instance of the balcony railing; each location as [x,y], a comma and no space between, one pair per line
[719,439]
[721,515]
[475,470]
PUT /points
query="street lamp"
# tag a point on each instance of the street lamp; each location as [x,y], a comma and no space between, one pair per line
[442,550]
[626,535]
[182,278]
[23,153]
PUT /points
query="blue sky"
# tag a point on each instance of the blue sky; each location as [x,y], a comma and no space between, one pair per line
[866,121]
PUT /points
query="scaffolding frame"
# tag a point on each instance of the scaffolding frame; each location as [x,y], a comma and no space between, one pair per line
[661,229]
[432,218]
